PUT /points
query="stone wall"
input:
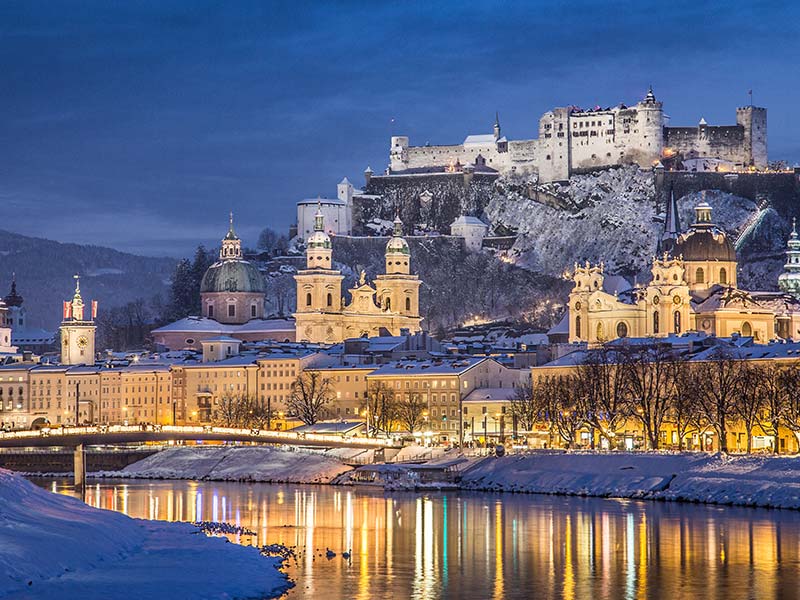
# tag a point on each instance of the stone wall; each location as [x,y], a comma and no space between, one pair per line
[454,194]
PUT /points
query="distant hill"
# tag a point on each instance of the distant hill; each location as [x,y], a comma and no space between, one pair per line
[45,268]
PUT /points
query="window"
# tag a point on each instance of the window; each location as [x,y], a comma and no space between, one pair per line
[408,303]
[330,299]
[253,310]
[578,326]
[723,276]
[308,299]
[622,329]
[387,304]
[677,321]
[699,275]
[655,322]
[231,310]
[211,311]
[747,330]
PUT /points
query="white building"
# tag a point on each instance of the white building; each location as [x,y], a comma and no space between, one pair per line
[336,211]
[472,229]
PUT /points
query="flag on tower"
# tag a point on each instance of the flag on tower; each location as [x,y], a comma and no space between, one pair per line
[67,310]
[94,309]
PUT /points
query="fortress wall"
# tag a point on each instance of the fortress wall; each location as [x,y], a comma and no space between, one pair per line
[725,142]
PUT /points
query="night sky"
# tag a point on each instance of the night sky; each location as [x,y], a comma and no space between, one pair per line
[139,125]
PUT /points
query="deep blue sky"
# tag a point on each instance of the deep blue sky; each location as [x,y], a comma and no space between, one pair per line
[140,124]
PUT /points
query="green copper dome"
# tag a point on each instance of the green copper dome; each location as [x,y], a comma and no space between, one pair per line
[233,276]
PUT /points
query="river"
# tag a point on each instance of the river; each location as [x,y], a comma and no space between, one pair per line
[482,545]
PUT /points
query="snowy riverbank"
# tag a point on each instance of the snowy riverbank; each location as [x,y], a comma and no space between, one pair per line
[235,463]
[712,478]
[54,546]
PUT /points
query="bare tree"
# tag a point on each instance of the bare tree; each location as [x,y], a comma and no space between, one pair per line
[231,410]
[311,394]
[410,409]
[601,393]
[718,382]
[565,417]
[529,403]
[748,404]
[790,413]
[647,374]
[381,407]
[683,411]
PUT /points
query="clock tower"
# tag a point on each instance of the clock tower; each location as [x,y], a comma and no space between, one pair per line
[77,331]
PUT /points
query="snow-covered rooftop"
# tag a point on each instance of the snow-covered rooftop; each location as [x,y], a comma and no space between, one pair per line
[206,325]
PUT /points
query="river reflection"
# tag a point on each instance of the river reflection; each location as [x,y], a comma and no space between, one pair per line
[472,545]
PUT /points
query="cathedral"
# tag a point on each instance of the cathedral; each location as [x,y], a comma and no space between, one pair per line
[693,288]
[391,303]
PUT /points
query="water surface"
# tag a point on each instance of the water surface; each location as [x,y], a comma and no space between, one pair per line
[482,545]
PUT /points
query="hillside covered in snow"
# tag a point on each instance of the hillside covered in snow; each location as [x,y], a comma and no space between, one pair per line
[614,216]
[54,546]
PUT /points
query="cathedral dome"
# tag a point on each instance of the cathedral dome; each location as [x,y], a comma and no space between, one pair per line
[704,241]
[233,276]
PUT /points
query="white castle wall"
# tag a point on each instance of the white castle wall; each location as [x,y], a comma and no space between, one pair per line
[576,141]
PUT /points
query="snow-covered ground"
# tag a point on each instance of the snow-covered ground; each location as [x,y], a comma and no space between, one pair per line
[234,463]
[697,477]
[54,546]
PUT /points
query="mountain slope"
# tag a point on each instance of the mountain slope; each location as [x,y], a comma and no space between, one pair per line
[44,271]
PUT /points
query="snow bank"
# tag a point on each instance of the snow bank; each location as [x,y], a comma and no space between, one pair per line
[237,463]
[54,546]
[712,478]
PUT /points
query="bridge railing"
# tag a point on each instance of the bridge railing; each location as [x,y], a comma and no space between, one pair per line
[199,430]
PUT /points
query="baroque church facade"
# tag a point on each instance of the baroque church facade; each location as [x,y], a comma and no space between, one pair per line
[693,288]
[390,303]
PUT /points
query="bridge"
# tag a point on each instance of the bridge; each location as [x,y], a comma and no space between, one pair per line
[102,435]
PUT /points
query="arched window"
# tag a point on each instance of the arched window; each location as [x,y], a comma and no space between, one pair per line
[330,299]
[387,303]
[408,303]
[308,299]
[601,333]
[677,321]
[747,330]
[723,276]
[622,329]
[253,310]
[578,326]
[210,311]
[231,310]
[655,322]
[699,275]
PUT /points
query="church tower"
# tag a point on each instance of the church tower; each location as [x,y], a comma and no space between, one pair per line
[789,280]
[398,290]
[77,331]
[319,285]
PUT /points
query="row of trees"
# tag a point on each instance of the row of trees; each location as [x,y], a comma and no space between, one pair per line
[311,400]
[655,386]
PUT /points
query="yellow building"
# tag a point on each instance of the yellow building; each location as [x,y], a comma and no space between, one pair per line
[350,387]
[693,288]
[323,315]
[442,384]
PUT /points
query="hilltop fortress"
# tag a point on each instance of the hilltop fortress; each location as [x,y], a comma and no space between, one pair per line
[573,140]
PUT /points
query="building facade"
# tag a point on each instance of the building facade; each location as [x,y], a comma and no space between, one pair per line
[693,288]
[324,316]
[78,330]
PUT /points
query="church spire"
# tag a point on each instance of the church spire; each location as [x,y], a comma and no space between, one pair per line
[319,218]
[789,280]
[13,298]
[496,125]
[231,244]
[672,224]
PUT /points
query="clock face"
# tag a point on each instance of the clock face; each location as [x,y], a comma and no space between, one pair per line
[83,341]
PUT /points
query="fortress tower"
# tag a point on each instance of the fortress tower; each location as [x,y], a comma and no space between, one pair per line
[78,332]
[754,121]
